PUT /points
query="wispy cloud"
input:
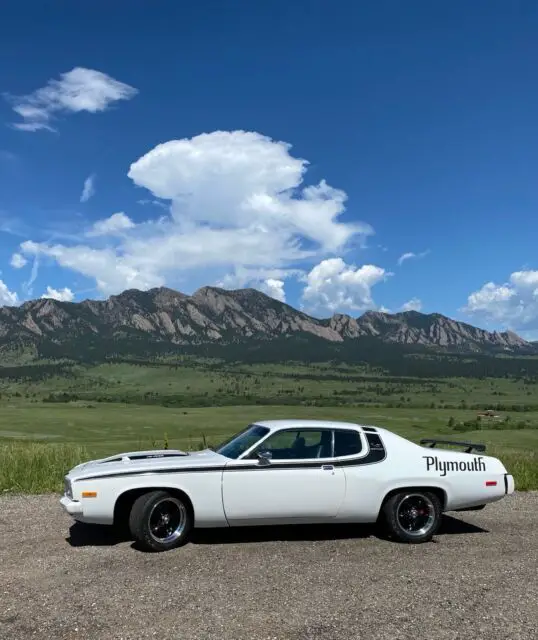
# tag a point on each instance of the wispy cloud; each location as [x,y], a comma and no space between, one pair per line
[77,90]
[156,203]
[89,188]
[411,255]
[18,261]
[7,157]
[28,286]
[415,304]
[11,164]
[14,226]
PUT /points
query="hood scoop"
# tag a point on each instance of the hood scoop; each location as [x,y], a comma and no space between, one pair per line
[144,455]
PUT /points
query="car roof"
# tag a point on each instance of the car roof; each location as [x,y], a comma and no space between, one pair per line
[303,424]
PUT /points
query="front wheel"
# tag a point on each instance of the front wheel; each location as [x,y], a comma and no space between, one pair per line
[160,521]
[412,516]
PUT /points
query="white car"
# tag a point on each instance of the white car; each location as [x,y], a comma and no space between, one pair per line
[286,472]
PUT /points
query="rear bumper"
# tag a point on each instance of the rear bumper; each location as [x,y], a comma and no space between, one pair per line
[509,484]
[72,507]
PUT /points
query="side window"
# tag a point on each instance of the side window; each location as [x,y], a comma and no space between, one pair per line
[347,443]
[297,444]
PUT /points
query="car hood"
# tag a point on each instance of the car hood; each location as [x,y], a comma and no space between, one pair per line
[147,461]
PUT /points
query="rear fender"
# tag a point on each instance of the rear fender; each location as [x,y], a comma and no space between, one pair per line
[439,489]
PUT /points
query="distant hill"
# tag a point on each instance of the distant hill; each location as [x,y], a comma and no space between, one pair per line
[162,320]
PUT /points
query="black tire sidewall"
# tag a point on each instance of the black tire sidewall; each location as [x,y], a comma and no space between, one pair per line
[390,517]
[139,522]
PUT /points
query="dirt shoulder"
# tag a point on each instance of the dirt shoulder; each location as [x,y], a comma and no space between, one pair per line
[478,579]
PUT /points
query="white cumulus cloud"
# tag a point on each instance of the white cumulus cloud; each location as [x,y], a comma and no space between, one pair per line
[411,255]
[18,261]
[112,272]
[88,189]
[62,295]
[269,281]
[513,304]
[7,297]
[237,203]
[332,285]
[242,179]
[274,288]
[117,223]
[77,90]
[415,304]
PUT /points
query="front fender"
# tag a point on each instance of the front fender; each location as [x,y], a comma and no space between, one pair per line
[203,490]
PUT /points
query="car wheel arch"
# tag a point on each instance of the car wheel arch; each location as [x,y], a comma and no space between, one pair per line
[438,491]
[124,502]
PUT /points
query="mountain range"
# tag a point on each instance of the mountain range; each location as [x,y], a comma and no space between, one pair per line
[163,320]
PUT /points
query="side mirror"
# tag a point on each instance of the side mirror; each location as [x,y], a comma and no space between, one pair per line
[264,457]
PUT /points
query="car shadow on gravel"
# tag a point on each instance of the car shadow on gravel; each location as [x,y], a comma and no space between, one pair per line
[320,532]
[86,535]
[94,535]
[454,526]
[291,533]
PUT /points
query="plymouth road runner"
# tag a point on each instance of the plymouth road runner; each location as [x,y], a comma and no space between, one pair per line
[287,472]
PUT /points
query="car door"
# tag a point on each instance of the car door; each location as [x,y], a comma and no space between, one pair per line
[299,483]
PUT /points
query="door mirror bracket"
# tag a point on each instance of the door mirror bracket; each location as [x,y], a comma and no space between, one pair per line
[264,457]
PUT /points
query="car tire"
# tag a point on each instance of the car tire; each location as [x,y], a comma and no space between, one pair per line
[160,521]
[412,516]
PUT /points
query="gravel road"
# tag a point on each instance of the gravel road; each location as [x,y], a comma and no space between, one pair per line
[477,579]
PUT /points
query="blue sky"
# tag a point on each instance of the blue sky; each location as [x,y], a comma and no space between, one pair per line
[305,148]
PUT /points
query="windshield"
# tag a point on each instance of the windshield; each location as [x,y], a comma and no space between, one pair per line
[240,442]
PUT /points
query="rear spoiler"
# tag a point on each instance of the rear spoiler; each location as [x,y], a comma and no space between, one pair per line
[469,445]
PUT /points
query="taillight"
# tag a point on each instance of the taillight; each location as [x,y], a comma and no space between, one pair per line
[491,483]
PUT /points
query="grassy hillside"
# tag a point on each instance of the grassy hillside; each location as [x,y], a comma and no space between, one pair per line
[210,383]
[51,418]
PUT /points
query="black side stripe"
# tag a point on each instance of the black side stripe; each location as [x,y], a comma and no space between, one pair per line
[376,454]
[152,472]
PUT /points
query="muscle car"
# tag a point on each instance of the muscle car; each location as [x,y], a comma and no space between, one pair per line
[287,472]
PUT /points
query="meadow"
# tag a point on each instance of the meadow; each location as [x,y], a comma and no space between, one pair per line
[48,423]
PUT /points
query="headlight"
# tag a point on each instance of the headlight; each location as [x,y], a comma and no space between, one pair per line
[68,489]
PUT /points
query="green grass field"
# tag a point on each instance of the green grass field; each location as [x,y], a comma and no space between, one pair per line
[113,408]
[242,384]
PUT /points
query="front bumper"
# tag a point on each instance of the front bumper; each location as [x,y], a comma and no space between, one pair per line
[72,507]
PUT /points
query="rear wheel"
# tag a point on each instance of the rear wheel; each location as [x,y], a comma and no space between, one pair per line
[160,521]
[412,516]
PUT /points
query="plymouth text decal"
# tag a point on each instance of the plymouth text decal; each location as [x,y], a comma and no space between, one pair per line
[434,464]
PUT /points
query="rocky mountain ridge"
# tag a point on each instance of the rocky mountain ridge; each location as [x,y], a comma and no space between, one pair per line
[214,315]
